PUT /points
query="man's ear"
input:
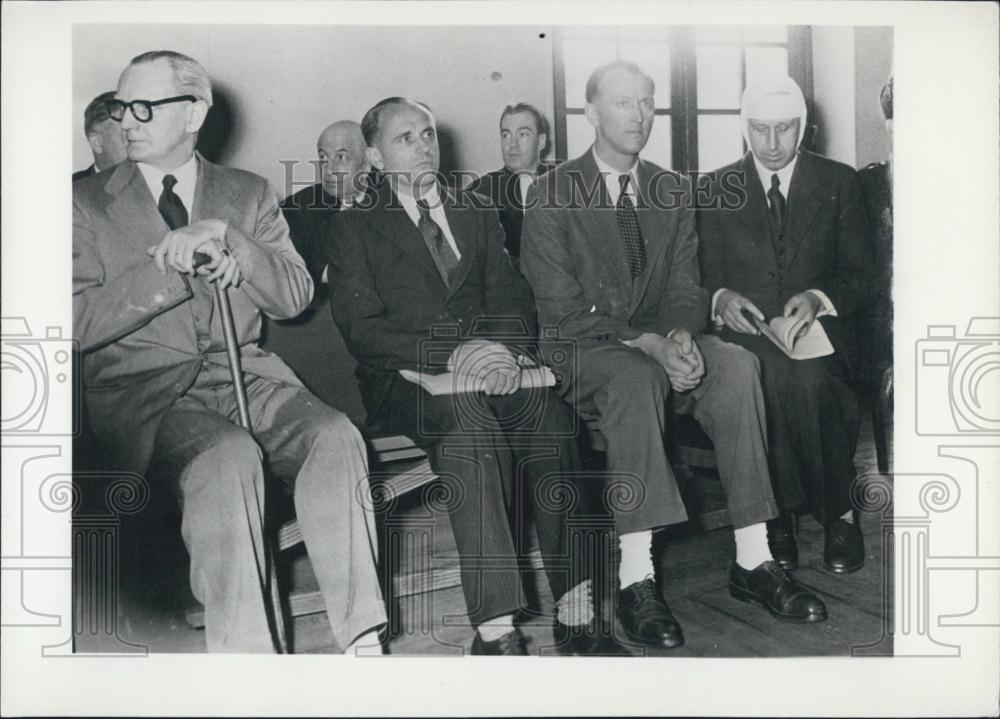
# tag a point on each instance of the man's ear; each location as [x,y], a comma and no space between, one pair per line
[196,116]
[591,113]
[374,158]
[96,143]
[543,142]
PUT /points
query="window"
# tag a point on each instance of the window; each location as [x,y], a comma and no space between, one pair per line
[700,73]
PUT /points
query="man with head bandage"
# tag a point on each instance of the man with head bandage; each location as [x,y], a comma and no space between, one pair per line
[796,245]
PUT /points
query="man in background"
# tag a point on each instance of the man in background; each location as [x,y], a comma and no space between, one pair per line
[796,247]
[159,391]
[524,133]
[104,136]
[345,168]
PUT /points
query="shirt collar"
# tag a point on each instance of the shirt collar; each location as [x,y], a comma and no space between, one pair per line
[409,202]
[784,175]
[186,176]
[611,176]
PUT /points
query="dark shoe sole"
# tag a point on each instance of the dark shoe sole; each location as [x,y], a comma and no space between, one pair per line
[745,595]
[844,570]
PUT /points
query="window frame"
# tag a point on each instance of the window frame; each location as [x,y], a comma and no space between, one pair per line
[683,110]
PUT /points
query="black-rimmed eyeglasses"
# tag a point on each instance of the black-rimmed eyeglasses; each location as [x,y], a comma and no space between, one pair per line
[142,110]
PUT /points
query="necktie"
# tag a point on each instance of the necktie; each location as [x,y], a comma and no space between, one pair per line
[628,225]
[444,257]
[170,205]
[777,205]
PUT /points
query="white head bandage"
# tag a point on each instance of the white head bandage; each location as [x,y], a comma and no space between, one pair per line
[776,97]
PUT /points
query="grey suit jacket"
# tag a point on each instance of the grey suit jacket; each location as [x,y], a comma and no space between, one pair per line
[573,256]
[144,335]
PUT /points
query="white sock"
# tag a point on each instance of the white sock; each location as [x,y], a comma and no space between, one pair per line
[637,557]
[848,516]
[367,644]
[751,546]
[495,628]
[575,608]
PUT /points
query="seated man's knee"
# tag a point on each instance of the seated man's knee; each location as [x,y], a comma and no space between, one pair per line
[333,427]
[737,366]
[639,376]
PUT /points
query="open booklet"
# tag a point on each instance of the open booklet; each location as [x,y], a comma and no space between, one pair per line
[454,383]
[782,331]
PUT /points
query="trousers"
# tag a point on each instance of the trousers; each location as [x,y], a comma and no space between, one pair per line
[504,459]
[626,391]
[217,470]
[814,416]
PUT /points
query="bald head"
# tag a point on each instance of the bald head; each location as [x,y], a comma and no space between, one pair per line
[341,149]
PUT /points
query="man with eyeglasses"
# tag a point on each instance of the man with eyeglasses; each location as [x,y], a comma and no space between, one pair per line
[158,388]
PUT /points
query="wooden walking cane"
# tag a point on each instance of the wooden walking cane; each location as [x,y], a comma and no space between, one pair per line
[232,345]
[243,411]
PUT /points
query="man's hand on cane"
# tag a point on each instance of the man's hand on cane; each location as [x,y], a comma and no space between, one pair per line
[185,249]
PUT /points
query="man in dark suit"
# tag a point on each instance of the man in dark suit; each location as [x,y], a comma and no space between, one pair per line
[104,136]
[611,253]
[524,132]
[345,168]
[421,281]
[158,387]
[796,246]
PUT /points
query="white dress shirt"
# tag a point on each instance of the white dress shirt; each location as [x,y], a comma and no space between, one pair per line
[186,176]
[784,182]
[433,200]
[611,176]
[525,180]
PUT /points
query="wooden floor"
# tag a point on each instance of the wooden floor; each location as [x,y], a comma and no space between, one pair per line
[696,564]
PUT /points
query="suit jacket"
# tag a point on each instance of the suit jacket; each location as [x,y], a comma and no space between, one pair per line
[308,213]
[574,257]
[145,335]
[386,293]
[501,187]
[826,242]
[80,174]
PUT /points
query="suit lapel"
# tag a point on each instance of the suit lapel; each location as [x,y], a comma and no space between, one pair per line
[463,223]
[804,201]
[755,214]
[602,225]
[213,197]
[132,206]
[391,220]
[653,223]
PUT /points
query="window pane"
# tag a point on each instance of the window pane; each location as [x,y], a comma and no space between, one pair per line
[720,141]
[659,145]
[764,61]
[765,33]
[654,59]
[580,57]
[718,34]
[719,76]
[579,135]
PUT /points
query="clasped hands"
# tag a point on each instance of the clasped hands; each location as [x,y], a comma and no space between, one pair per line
[732,308]
[490,366]
[678,354]
[176,252]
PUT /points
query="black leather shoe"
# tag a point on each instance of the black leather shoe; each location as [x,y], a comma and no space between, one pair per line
[781,595]
[510,644]
[781,541]
[587,640]
[645,616]
[844,551]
